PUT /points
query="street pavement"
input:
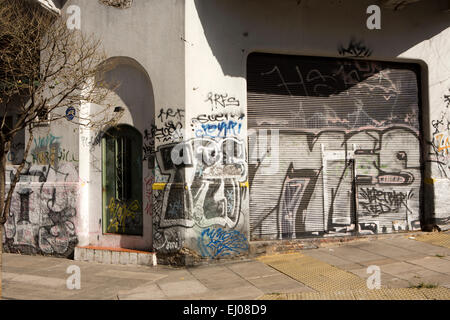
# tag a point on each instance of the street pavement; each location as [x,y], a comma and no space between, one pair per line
[405,261]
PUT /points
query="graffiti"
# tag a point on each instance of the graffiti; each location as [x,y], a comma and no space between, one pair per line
[149,148]
[355,49]
[169,113]
[208,194]
[122,215]
[441,141]
[221,116]
[218,243]
[47,141]
[439,154]
[66,155]
[296,194]
[218,125]
[24,214]
[90,141]
[16,151]
[42,220]
[356,84]
[217,100]
[386,179]
[44,156]
[349,124]
[58,235]
[213,193]
[34,173]
[148,181]
[53,156]
[222,129]
[375,201]
[315,192]
[42,215]
[47,151]
[169,131]
[168,240]
[371,228]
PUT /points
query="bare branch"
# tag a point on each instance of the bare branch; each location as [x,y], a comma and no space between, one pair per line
[45,68]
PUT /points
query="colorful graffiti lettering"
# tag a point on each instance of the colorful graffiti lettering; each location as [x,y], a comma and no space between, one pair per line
[218,243]
[221,129]
[442,142]
[121,214]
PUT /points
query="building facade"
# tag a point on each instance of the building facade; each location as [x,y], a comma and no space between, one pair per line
[246,121]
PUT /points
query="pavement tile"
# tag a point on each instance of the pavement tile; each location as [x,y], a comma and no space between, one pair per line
[419,275]
[32,280]
[218,277]
[248,292]
[253,269]
[146,276]
[350,266]
[362,273]
[147,292]
[417,246]
[279,283]
[433,263]
[403,263]
[400,268]
[180,288]
[354,254]
[438,280]
[31,291]
[176,276]
[327,257]
[385,249]
[394,282]
[379,262]
[53,272]
[105,289]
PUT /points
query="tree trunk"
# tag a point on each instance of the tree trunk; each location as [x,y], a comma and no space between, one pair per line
[1,263]
[2,201]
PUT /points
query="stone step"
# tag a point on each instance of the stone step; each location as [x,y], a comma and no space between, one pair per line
[115,256]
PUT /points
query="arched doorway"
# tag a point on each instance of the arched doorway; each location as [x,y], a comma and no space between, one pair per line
[122,180]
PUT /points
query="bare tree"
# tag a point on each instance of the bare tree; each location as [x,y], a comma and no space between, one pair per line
[45,67]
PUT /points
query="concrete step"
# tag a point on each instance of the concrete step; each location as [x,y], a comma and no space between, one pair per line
[115,256]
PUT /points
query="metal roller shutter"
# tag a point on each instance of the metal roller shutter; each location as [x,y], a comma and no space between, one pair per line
[333,146]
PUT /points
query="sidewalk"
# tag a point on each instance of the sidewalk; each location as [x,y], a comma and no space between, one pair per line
[337,271]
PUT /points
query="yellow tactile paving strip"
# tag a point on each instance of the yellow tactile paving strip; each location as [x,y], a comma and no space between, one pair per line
[332,283]
[435,238]
[314,273]
[380,294]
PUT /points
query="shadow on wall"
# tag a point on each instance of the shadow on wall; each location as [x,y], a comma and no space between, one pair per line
[131,83]
[300,26]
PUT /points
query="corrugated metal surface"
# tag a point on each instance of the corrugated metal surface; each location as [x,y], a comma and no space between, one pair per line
[321,128]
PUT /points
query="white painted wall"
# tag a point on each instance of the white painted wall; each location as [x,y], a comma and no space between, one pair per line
[148,37]
[221,34]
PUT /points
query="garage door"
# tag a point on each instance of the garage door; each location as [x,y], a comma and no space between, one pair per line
[333,146]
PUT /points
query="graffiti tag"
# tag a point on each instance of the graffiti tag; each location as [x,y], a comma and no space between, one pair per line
[215,243]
